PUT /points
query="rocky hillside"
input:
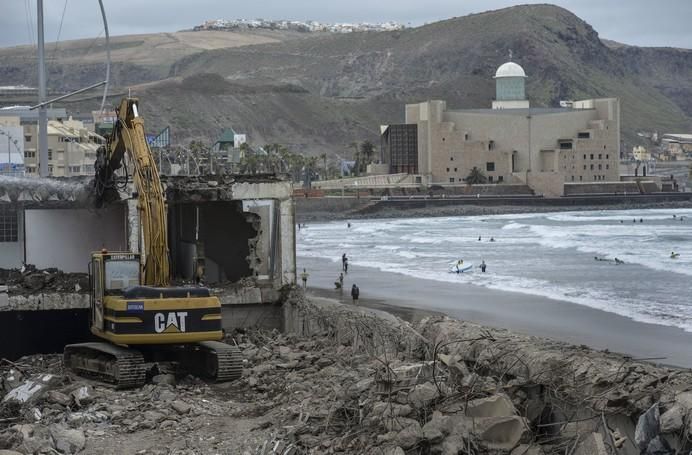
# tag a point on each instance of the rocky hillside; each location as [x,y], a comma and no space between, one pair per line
[320,92]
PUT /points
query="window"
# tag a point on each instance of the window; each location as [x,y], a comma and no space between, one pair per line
[451,180]
[606,156]
[607,166]
[27,138]
[443,139]
[600,167]
[604,147]
[566,145]
[594,177]
[585,167]
[490,167]
[585,156]
[466,136]
[75,169]
[573,178]
[490,179]
[584,135]
[491,145]
[600,157]
[451,158]
[591,156]
[29,154]
[8,224]
[592,167]
[50,154]
[455,169]
[500,179]
[580,178]
[447,169]
[50,168]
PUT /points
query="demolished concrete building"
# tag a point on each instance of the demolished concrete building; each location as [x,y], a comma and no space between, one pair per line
[237,232]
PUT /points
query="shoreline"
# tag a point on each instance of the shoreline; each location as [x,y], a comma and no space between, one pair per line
[471,209]
[526,314]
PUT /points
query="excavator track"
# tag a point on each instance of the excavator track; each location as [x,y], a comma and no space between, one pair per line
[106,362]
[213,360]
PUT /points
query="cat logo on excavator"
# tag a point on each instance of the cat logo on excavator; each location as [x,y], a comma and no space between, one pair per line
[174,322]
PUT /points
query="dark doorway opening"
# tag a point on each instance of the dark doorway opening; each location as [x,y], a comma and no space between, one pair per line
[212,241]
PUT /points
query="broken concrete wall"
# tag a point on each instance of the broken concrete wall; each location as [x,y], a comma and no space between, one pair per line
[65,238]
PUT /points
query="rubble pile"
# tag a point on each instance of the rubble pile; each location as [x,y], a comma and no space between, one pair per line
[30,279]
[30,190]
[355,383]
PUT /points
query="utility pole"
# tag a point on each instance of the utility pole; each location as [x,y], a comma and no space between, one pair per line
[42,112]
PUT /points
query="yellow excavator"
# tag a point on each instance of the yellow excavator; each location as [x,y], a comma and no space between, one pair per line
[134,309]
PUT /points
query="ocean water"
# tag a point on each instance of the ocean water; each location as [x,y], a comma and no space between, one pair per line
[546,254]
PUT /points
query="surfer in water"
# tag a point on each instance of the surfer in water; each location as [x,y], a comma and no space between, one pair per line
[674,255]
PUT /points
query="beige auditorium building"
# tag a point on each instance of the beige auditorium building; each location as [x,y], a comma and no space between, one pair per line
[511,142]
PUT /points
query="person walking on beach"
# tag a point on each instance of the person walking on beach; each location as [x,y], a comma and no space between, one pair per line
[483,266]
[346,265]
[355,293]
[339,283]
[343,261]
[304,276]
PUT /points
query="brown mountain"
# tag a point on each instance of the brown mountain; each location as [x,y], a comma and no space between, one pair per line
[320,92]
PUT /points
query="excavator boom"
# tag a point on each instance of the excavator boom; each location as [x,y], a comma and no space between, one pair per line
[128,138]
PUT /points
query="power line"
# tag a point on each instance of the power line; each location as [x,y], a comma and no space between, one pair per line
[57,40]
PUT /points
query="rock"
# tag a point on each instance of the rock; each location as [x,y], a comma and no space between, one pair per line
[59,398]
[383,409]
[361,386]
[659,446]
[437,428]
[12,452]
[501,433]
[154,416]
[494,406]
[423,394]
[168,424]
[67,440]
[591,444]
[672,419]
[167,395]
[83,395]
[32,388]
[409,436]
[181,407]
[284,351]
[164,379]
[388,451]
[648,427]
[398,423]
[323,362]
[526,449]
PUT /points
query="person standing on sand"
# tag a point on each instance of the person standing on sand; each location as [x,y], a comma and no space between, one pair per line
[343,261]
[355,293]
[340,283]
[346,265]
[304,276]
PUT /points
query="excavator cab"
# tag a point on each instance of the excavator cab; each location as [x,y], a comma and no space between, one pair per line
[110,273]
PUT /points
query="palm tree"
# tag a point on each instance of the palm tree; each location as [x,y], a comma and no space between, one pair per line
[367,151]
[475,177]
[323,156]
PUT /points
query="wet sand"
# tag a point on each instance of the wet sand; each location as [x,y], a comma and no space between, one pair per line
[412,298]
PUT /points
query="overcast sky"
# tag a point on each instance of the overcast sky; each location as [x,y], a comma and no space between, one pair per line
[638,22]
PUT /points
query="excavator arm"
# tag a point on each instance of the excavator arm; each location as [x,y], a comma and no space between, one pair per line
[128,138]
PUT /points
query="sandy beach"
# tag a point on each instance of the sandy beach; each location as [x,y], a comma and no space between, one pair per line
[532,315]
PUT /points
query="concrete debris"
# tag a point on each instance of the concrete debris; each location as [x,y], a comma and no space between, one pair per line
[648,427]
[592,444]
[30,280]
[330,390]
